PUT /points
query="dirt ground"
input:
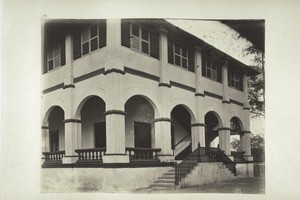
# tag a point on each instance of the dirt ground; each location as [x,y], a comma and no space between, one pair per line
[255,185]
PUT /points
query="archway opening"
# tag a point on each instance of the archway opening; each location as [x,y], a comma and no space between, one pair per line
[139,128]
[93,126]
[235,134]
[181,132]
[211,130]
[56,129]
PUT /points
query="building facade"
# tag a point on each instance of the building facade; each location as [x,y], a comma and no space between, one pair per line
[139,91]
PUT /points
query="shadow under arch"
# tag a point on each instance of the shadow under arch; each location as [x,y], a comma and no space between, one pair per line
[181,131]
[149,100]
[48,112]
[82,103]
[139,122]
[212,124]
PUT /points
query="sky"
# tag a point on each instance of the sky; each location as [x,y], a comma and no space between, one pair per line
[225,39]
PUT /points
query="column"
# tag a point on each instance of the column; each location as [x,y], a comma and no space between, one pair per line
[45,139]
[162,124]
[71,123]
[224,140]
[113,38]
[115,119]
[224,132]
[245,90]
[198,128]
[115,114]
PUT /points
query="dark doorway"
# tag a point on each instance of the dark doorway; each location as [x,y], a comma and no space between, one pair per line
[142,135]
[100,134]
[54,140]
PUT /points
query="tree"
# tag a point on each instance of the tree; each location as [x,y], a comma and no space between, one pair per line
[257,143]
[257,83]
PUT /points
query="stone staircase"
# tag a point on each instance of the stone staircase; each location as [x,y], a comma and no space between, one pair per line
[172,178]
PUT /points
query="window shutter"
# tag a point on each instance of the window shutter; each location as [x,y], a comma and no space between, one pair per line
[170,52]
[154,45]
[228,76]
[76,45]
[62,53]
[102,34]
[203,62]
[125,33]
[241,82]
[191,66]
[219,73]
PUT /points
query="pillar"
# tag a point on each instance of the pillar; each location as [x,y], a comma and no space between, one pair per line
[224,140]
[162,124]
[45,139]
[115,114]
[224,132]
[71,123]
[198,128]
[245,91]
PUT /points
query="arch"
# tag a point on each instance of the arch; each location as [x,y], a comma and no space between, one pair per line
[54,137]
[82,102]
[139,122]
[48,112]
[212,124]
[193,118]
[149,100]
[181,131]
[92,129]
[143,92]
[220,122]
[238,121]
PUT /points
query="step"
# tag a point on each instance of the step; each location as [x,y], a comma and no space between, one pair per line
[162,185]
[165,181]
[167,177]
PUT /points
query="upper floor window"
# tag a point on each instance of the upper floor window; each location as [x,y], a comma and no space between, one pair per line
[211,68]
[180,56]
[139,38]
[55,56]
[89,39]
[235,79]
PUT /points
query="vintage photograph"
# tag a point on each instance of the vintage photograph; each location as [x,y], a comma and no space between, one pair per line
[153,105]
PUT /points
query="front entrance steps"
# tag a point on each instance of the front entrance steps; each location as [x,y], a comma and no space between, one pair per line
[193,174]
[166,181]
[204,165]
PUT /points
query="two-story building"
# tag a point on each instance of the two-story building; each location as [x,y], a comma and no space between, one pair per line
[130,99]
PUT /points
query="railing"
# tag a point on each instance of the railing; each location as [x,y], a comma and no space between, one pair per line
[202,154]
[238,156]
[54,156]
[90,155]
[182,146]
[142,154]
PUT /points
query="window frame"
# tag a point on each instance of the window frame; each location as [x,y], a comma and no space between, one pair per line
[140,39]
[234,77]
[54,58]
[89,40]
[181,56]
[211,67]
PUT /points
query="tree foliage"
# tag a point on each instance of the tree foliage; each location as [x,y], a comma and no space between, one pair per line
[257,143]
[257,83]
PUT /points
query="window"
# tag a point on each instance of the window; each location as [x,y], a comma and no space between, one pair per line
[139,38]
[89,39]
[235,79]
[210,68]
[55,56]
[180,56]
